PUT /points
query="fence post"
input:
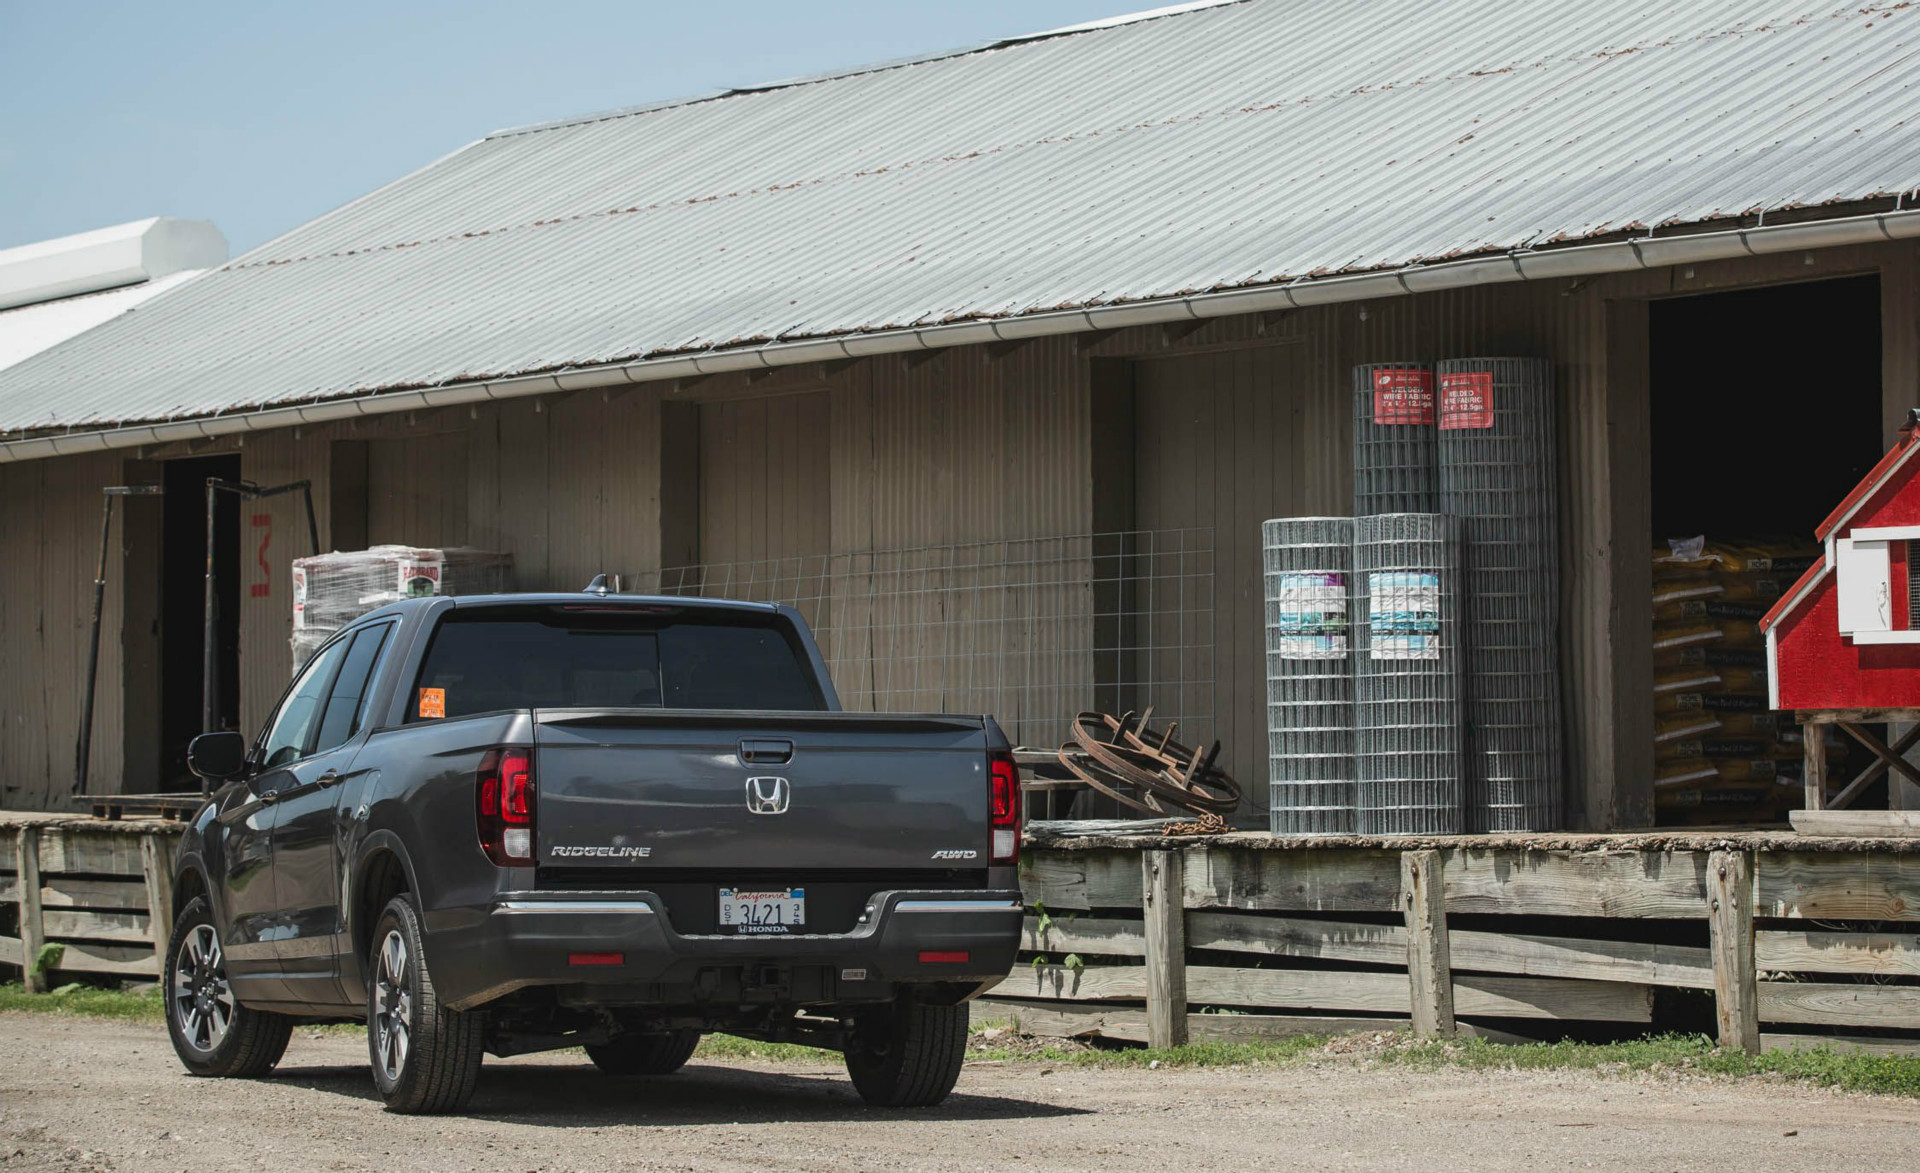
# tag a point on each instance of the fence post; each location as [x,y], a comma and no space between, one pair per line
[32,934]
[156,869]
[1423,899]
[1730,916]
[1163,899]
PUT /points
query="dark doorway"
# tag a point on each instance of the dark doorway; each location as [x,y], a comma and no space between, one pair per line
[1766,407]
[1765,410]
[182,609]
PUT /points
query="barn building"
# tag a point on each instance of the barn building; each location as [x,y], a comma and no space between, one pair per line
[994,361]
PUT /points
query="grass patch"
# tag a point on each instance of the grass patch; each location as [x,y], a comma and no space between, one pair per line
[1203,1054]
[86,1001]
[732,1047]
[1820,1065]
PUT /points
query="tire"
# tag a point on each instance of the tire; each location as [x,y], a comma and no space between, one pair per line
[425,1057]
[212,1033]
[638,1054]
[911,1057]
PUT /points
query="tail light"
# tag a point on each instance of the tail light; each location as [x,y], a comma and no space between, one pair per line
[1003,808]
[506,800]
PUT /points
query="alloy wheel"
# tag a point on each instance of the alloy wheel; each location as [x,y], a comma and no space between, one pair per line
[392,1006]
[203,1002]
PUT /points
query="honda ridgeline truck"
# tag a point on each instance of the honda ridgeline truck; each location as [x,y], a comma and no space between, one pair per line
[514,823]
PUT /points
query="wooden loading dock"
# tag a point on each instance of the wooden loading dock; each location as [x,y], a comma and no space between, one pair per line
[99,890]
[1793,940]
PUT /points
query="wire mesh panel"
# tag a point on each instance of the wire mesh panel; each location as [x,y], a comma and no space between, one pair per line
[1407,736]
[1498,477]
[1393,439]
[1030,631]
[1309,575]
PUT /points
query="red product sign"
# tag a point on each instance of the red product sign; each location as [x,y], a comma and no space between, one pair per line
[1466,400]
[1403,395]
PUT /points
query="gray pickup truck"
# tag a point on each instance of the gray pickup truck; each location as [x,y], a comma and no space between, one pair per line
[514,823]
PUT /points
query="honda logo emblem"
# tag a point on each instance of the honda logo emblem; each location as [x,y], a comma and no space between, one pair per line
[768,796]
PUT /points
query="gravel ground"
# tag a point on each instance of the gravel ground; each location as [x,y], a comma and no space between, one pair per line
[97,1095]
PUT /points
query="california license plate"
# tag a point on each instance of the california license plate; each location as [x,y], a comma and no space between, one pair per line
[769,910]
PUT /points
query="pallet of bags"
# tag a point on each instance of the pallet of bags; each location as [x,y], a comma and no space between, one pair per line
[1721,754]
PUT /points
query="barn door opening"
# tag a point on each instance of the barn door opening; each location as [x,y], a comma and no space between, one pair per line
[1765,410]
[182,608]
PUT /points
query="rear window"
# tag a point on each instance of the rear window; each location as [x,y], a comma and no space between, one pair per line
[487,661]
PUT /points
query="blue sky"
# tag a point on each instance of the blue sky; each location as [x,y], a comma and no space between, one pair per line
[260,116]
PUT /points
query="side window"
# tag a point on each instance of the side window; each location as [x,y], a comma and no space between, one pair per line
[342,718]
[287,736]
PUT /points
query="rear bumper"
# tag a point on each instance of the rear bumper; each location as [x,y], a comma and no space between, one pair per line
[535,939]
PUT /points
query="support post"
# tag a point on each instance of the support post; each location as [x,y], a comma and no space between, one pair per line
[1163,897]
[1813,744]
[1735,980]
[1429,961]
[156,868]
[83,752]
[26,844]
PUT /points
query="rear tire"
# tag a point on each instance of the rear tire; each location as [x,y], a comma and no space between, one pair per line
[639,1054]
[911,1057]
[425,1057]
[212,1033]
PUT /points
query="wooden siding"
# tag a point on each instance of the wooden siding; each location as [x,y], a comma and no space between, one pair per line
[1221,441]
[49,550]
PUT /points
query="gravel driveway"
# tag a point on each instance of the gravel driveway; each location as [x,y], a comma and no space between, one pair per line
[85,1094]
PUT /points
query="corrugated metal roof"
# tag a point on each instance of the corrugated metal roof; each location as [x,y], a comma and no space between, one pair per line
[1210,148]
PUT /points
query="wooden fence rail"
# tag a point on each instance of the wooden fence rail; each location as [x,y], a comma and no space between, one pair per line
[1158,921]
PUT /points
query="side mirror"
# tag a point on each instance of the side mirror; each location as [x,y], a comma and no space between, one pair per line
[217,757]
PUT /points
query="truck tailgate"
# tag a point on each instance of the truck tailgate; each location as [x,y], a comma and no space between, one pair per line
[760,793]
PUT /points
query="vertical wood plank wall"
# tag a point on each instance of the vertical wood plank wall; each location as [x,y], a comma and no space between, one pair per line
[967,445]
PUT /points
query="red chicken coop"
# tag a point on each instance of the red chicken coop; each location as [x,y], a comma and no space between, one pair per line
[1843,645]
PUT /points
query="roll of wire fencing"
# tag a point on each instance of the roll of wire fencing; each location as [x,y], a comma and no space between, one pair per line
[1308,564]
[1498,478]
[1394,455]
[1407,718]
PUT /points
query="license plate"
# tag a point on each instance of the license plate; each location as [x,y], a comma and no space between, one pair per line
[771,910]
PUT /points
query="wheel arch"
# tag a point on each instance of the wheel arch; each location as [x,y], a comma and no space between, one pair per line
[190,883]
[382,870]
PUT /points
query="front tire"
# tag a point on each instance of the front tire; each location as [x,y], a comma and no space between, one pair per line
[638,1054]
[425,1057]
[910,1057]
[212,1033]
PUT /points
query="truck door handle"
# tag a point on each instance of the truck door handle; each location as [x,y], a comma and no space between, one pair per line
[327,779]
[767,752]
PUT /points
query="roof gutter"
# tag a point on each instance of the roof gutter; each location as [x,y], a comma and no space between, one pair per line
[1519,265]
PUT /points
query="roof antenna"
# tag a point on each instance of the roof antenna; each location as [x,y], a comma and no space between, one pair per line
[597,587]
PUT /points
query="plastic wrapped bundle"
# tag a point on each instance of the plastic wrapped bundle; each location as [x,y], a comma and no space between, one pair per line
[1309,575]
[332,590]
[1394,461]
[1407,675]
[1498,476]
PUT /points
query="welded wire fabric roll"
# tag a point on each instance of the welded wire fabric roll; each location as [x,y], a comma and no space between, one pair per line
[1309,575]
[1407,718]
[1394,469]
[1498,476]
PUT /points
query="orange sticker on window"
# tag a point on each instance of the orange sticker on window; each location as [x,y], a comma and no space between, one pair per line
[433,702]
